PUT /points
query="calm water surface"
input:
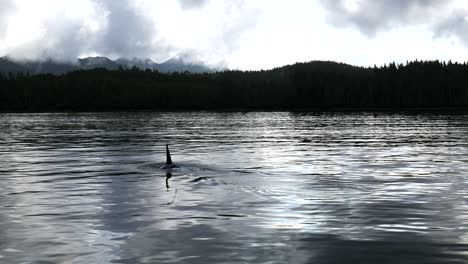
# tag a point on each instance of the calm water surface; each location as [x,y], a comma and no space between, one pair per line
[87,188]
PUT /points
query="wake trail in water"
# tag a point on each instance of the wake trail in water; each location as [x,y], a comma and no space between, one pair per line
[257,185]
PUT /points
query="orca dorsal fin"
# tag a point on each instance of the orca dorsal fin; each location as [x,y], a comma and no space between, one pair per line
[168,156]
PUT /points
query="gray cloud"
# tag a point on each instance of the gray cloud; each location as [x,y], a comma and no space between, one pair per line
[124,29]
[373,16]
[64,42]
[187,4]
[454,25]
[129,32]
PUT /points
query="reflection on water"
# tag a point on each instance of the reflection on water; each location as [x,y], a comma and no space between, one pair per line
[168,176]
[251,187]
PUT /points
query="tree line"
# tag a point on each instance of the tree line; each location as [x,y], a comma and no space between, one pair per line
[312,85]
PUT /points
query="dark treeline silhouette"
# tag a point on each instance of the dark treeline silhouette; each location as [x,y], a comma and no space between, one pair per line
[313,85]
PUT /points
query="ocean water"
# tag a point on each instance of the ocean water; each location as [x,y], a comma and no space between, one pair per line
[256,187]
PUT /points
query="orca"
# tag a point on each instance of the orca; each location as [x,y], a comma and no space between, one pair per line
[169,165]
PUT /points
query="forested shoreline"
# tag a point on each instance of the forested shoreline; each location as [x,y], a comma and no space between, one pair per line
[313,85]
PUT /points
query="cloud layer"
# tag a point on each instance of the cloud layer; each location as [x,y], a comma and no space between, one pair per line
[445,18]
[454,25]
[95,26]
[124,28]
[374,16]
[236,33]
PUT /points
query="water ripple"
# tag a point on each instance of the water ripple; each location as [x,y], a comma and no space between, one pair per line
[252,187]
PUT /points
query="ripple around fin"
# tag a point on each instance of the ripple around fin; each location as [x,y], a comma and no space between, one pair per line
[199,179]
[185,168]
[205,175]
[169,167]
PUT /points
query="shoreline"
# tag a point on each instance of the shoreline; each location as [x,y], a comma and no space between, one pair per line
[417,110]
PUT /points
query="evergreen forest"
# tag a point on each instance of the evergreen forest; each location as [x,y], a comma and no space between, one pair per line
[314,85]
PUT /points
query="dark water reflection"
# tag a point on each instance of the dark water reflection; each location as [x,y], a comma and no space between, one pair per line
[252,187]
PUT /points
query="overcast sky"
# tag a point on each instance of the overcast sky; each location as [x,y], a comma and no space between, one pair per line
[239,34]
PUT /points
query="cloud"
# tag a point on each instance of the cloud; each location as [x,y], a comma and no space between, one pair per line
[209,32]
[151,29]
[106,27]
[188,4]
[128,33]
[6,6]
[33,35]
[374,16]
[454,25]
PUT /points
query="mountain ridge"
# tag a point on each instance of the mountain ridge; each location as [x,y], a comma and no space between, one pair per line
[49,66]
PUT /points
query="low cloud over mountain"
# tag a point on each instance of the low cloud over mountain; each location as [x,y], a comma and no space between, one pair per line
[176,64]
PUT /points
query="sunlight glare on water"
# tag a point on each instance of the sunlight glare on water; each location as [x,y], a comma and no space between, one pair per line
[252,187]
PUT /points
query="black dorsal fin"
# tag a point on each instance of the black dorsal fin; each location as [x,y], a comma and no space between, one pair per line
[168,156]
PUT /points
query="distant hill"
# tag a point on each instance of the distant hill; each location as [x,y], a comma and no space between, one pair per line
[8,65]
[178,64]
[175,64]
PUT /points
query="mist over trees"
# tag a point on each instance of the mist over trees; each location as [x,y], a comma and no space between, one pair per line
[313,85]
